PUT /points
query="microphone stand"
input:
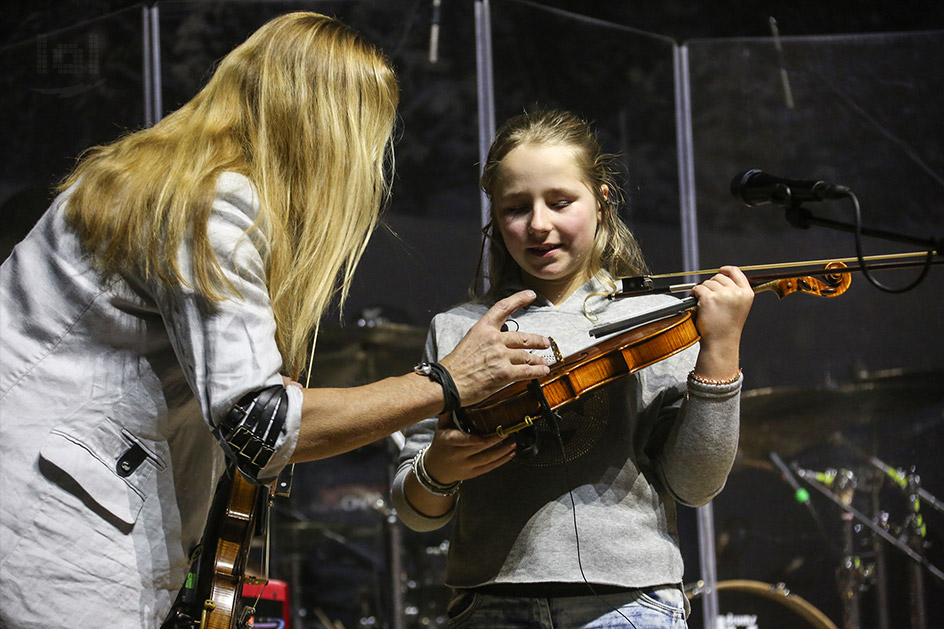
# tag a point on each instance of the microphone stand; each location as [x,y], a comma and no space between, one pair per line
[896,474]
[850,514]
[910,484]
[852,574]
[802,218]
[915,539]
[800,495]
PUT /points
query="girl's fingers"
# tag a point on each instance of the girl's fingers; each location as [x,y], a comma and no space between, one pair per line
[502,455]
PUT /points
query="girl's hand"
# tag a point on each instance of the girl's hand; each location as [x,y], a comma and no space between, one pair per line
[724,302]
[455,455]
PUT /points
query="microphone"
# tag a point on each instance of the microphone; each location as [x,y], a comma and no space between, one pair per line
[755,187]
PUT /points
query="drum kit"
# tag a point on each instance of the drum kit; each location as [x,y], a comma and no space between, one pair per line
[337,542]
[747,604]
[871,517]
[350,563]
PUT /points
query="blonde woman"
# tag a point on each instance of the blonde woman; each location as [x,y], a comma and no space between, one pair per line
[152,319]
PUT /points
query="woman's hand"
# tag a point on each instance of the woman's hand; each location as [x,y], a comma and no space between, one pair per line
[340,419]
[487,359]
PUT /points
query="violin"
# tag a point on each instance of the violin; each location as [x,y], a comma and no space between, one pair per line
[212,596]
[515,407]
[233,529]
[644,340]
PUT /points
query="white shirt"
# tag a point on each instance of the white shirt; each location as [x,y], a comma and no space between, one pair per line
[90,366]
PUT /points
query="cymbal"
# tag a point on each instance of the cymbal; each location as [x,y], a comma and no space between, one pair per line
[789,420]
[384,334]
[347,356]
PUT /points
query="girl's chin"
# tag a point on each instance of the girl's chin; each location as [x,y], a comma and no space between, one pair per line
[545,277]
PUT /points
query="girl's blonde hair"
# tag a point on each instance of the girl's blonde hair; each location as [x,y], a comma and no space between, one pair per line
[615,249]
[305,108]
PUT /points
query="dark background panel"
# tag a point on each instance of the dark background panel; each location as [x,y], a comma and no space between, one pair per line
[679,19]
[428,242]
[61,92]
[619,78]
[831,382]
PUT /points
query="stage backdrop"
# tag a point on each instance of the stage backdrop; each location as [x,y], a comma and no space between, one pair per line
[837,383]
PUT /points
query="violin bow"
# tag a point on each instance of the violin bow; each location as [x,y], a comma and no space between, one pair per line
[646,284]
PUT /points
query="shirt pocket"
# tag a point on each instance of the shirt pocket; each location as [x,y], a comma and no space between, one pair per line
[114,467]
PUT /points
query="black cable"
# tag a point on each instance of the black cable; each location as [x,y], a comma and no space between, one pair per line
[552,417]
[865,271]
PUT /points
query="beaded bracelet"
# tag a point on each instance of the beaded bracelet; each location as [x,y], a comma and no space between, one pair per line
[713,381]
[427,482]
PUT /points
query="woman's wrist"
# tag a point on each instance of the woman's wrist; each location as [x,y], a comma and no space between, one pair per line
[440,375]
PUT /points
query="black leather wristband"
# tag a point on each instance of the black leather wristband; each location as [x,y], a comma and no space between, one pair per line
[437,373]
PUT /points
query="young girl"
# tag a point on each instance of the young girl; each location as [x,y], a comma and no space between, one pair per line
[583,532]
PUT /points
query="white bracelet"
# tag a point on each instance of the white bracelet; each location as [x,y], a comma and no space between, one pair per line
[714,381]
[427,482]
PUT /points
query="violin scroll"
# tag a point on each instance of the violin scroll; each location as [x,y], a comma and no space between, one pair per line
[830,285]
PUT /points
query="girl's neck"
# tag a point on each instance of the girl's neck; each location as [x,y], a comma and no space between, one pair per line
[556,292]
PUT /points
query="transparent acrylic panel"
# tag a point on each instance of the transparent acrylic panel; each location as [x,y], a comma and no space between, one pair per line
[828,381]
[61,93]
[619,78]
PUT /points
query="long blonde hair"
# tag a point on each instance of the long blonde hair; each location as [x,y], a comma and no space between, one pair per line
[306,109]
[614,249]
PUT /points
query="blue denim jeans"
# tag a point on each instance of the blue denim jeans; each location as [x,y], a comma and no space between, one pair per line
[661,608]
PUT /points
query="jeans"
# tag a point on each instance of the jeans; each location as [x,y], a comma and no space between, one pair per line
[661,608]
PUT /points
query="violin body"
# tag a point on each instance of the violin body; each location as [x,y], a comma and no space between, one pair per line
[515,407]
[234,532]
[213,600]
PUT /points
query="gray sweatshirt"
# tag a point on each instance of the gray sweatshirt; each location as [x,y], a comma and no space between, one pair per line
[631,450]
